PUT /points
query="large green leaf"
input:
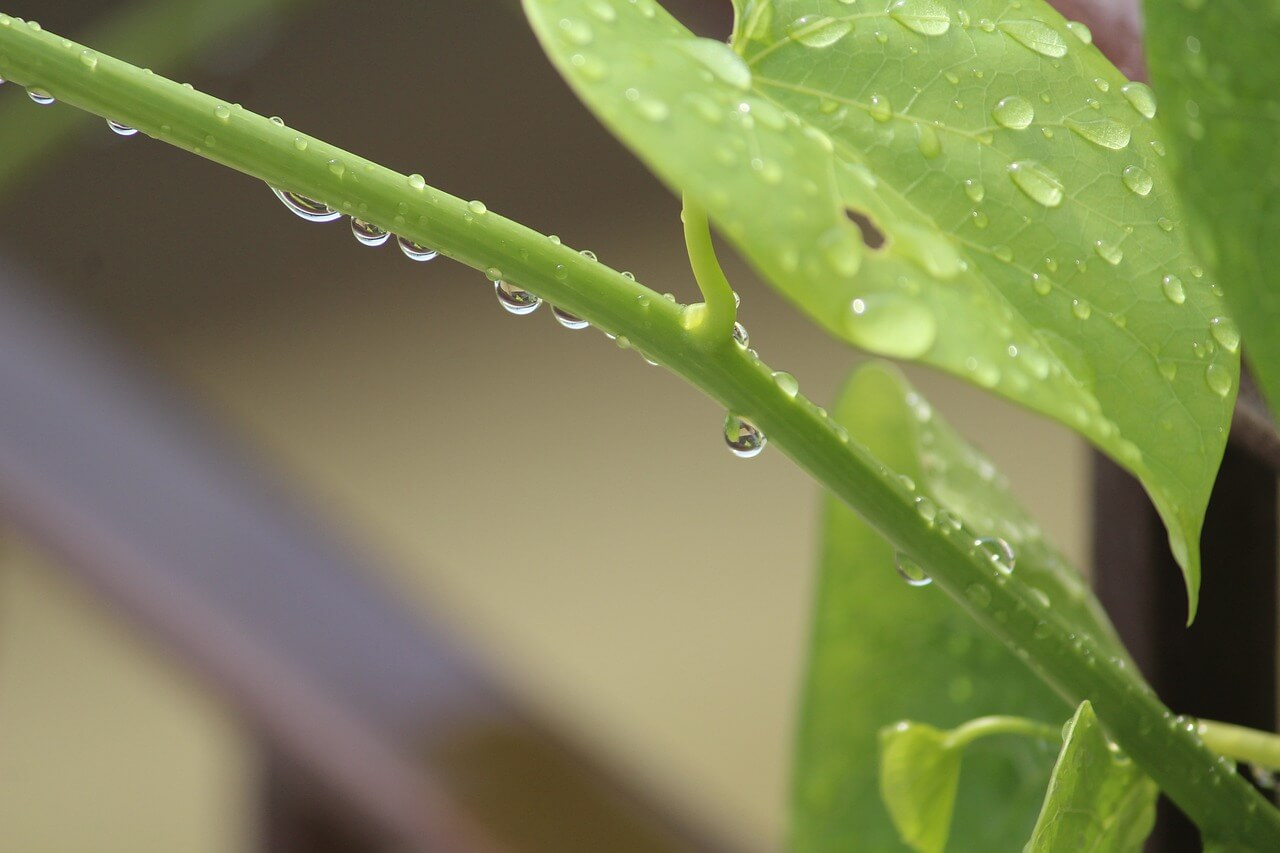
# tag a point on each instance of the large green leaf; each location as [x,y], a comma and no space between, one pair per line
[883,651]
[1097,801]
[1033,242]
[1214,67]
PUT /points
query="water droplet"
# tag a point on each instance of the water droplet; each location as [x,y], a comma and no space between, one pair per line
[1218,378]
[652,109]
[1036,35]
[1109,252]
[1139,181]
[602,10]
[1041,285]
[1224,331]
[337,168]
[1081,309]
[928,141]
[477,207]
[926,509]
[309,209]
[40,96]
[892,324]
[415,251]
[740,336]
[1101,85]
[1165,223]
[979,595]
[1141,98]
[910,571]
[720,60]
[879,108]
[1262,777]
[998,551]
[516,300]
[1173,290]
[818,30]
[1003,253]
[576,32]
[1080,31]
[569,321]
[786,383]
[1105,133]
[1037,182]
[974,190]
[1169,370]
[980,219]
[588,254]
[368,233]
[299,143]
[1014,112]
[742,437]
[223,112]
[121,129]
[926,17]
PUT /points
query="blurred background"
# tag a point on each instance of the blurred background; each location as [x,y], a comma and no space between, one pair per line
[623,601]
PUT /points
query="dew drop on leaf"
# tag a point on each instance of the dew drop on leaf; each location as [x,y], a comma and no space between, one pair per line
[818,30]
[892,324]
[1013,112]
[1037,182]
[1037,36]
[1173,289]
[1080,31]
[1225,332]
[926,17]
[1106,133]
[1218,378]
[1138,180]
[1141,98]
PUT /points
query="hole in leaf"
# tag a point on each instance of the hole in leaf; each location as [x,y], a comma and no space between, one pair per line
[872,236]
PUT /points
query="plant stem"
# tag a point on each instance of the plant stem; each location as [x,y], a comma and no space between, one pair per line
[1223,805]
[967,733]
[720,311]
[1241,743]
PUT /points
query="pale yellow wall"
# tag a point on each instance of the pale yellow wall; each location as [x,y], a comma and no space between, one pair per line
[106,745]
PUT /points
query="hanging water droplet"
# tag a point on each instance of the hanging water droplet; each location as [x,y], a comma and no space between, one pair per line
[1138,180]
[569,321]
[998,551]
[740,336]
[1224,331]
[1141,98]
[1037,36]
[1105,133]
[121,129]
[368,233]
[926,17]
[819,31]
[910,571]
[415,251]
[1013,112]
[742,437]
[1037,182]
[309,209]
[40,97]
[1173,290]
[1218,378]
[786,383]
[516,300]
[1080,31]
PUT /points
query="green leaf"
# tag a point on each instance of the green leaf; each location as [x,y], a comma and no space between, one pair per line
[919,777]
[1215,70]
[884,651]
[1097,801]
[1029,218]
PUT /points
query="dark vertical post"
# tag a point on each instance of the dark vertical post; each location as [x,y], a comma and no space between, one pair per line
[1224,666]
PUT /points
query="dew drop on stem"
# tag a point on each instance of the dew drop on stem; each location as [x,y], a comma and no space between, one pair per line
[998,551]
[569,321]
[415,251]
[307,208]
[516,300]
[368,233]
[910,571]
[740,335]
[121,129]
[40,97]
[743,438]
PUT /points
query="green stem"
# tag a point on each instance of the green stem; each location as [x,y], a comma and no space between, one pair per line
[720,306]
[1241,744]
[967,733]
[1223,805]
